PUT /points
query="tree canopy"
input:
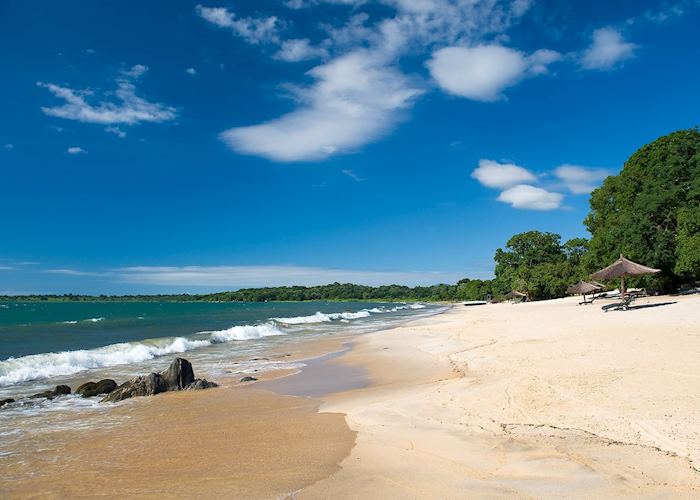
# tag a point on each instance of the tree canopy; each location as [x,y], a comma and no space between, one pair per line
[647,212]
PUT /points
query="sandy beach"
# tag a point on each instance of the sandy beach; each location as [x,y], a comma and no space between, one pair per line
[545,399]
[539,400]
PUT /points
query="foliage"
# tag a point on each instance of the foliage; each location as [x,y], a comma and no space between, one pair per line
[638,212]
[538,264]
[688,243]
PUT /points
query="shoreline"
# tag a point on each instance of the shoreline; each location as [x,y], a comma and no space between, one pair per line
[545,399]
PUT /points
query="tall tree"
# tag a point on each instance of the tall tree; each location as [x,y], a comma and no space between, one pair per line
[637,212]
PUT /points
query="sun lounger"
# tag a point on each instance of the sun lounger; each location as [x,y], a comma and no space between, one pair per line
[623,305]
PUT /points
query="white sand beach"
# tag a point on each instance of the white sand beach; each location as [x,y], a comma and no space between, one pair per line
[544,399]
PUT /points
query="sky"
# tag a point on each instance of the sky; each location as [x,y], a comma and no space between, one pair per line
[158,147]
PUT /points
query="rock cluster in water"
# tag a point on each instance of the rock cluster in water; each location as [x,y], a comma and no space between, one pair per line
[179,376]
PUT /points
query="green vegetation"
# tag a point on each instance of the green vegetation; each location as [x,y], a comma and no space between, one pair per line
[650,212]
[538,265]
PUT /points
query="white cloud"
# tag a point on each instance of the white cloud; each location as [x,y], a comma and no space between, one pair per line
[191,71]
[230,277]
[9,146]
[116,131]
[528,197]
[501,175]
[299,50]
[129,108]
[607,50]
[482,72]
[252,30]
[580,180]
[353,175]
[75,150]
[354,101]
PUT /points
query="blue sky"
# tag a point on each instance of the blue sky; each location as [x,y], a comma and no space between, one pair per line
[186,146]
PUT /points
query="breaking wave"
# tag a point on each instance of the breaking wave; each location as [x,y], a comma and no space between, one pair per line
[39,366]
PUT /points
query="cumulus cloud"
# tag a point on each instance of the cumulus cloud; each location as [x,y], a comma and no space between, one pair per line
[75,150]
[607,50]
[482,72]
[296,50]
[125,107]
[501,175]
[252,30]
[354,101]
[580,180]
[191,71]
[528,197]
[361,93]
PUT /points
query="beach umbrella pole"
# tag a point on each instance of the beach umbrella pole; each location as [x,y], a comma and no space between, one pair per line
[622,287]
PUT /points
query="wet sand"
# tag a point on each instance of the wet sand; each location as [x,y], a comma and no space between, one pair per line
[236,441]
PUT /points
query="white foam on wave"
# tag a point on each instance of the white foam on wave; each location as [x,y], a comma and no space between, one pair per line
[245,332]
[69,322]
[39,366]
[320,317]
[94,320]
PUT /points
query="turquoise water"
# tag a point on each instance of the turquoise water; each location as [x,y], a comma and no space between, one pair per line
[42,344]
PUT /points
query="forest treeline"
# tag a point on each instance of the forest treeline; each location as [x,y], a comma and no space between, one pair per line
[650,212]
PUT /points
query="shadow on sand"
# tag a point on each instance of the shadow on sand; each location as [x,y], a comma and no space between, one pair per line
[645,306]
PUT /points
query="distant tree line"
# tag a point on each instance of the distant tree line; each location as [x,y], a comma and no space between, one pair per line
[650,212]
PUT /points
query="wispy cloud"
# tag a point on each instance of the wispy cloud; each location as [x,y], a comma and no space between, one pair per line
[607,50]
[353,175]
[360,94]
[254,276]
[128,108]
[354,101]
[116,131]
[191,71]
[77,272]
[254,30]
[296,50]
[75,150]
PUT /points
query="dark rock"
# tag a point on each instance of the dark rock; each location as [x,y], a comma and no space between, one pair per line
[145,385]
[199,384]
[248,379]
[60,390]
[7,401]
[90,389]
[178,376]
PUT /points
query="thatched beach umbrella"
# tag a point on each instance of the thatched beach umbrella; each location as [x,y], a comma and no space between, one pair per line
[623,268]
[515,295]
[582,288]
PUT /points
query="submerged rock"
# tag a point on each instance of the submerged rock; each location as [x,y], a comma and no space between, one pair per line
[248,379]
[178,376]
[199,384]
[7,401]
[90,389]
[60,390]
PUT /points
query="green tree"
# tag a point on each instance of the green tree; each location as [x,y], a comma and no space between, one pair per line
[688,243]
[636,213]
